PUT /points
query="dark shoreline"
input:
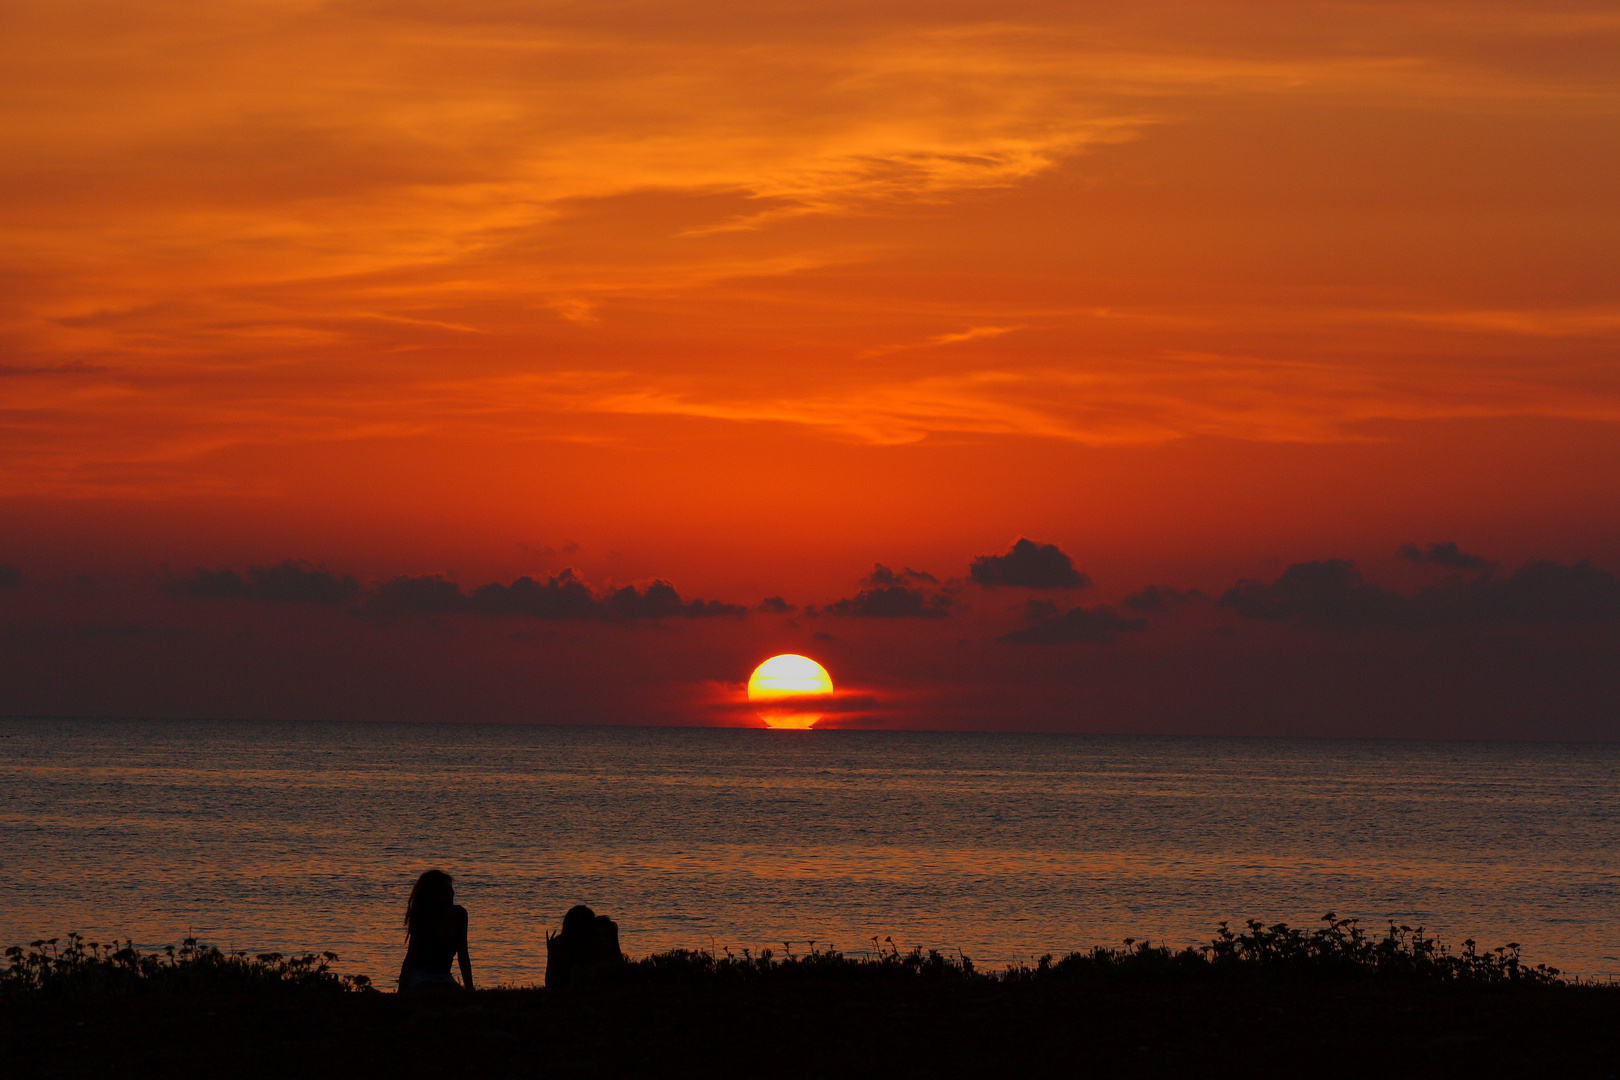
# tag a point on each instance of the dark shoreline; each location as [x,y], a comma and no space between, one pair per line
[833,1027]
[1263,1002]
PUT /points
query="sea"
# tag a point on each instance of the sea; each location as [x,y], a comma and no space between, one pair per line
[296,837]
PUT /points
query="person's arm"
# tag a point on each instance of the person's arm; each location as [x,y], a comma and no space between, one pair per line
[461,950]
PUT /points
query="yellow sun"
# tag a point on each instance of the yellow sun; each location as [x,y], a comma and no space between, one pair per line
[786,689]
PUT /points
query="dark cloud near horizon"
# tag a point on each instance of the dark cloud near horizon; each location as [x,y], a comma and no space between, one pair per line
[10,576]
[428,594]
[775,605]
[659,600]
[290,582]
[1048,627]
[563,597]
[1158,599]
[1329,592]
[1445,554]
[881,576]
[1333,594]
[1028,565]
[1544,592]
[893,602]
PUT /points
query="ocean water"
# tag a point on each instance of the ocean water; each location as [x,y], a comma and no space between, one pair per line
[294,837]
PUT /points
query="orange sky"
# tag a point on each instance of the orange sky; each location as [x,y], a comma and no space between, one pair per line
[751,297]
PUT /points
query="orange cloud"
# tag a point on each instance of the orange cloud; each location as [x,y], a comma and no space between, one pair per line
[271,229]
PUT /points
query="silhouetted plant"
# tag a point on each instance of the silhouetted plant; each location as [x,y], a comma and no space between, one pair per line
[825,963]
[1340,949]
[1337,950]
[79,966]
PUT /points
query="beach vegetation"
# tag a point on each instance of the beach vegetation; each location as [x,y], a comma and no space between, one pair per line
[74,966]
[1339,950]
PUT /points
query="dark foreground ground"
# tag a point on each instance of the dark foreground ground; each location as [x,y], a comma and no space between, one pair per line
[908,1028]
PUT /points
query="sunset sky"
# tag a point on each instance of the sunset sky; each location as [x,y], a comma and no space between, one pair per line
[324,324]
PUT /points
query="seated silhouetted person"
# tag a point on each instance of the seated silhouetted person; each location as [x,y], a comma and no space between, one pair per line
[588,943]
[435,933]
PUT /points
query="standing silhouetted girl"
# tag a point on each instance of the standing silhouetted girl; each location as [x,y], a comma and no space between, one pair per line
[435,933]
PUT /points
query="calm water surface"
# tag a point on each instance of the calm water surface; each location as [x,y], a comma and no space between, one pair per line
[299,837]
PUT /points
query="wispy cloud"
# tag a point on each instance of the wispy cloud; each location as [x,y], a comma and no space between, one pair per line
[270,223]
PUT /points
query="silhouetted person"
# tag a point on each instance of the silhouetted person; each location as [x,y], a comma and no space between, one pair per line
[588,942]
[435,933]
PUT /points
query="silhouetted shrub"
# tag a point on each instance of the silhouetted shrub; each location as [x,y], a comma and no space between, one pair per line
[687,965]
[80,967]
[1340,949]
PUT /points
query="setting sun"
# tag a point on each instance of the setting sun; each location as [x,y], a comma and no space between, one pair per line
[787,687]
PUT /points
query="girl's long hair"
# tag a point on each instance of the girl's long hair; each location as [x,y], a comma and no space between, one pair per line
[431,899]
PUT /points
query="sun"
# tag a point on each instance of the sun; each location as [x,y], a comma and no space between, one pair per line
[785,690]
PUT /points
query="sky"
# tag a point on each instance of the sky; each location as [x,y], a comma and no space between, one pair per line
[1221,368]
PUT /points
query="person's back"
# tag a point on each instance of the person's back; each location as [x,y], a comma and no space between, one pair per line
[436,933]
[588,942]
[605,943]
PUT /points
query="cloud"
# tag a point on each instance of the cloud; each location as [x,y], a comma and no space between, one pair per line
[775,605]
[291,582]
[563,597]
[893,602]
[1333,594]
[1028,565]
[10,576]
[1098,624]
[1444,554]
[1330,592]
[1545,592]
[660,600]
[881,575]
[476,146]
[425,595]
[1157,599]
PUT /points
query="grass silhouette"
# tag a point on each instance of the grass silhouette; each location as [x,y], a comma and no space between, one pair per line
[1337,951]
[74,966]
[1263,1000]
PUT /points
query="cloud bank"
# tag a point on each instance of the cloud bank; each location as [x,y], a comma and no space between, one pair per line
[1445,554]
[290,582]
[563,597]
[1097,624]
[1028,565]
[1333,594]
